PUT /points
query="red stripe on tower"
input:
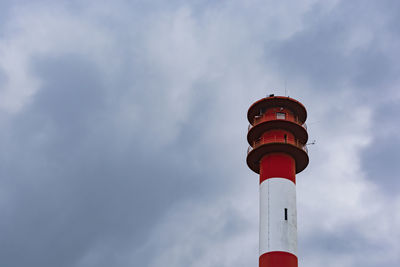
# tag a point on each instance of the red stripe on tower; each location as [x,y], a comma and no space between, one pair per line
[278,258]
[277,165]
[277,137]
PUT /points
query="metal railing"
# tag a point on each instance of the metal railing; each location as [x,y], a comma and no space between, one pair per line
[279,140]
[259,119]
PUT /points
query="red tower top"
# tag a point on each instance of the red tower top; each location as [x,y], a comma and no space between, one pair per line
[277,125]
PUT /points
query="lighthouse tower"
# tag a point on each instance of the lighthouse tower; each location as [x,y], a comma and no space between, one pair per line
[277,136]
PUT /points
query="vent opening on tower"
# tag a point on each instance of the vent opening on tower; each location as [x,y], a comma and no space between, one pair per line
[285,214]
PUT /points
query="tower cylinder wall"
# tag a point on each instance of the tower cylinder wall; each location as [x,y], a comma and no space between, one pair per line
[277,165]
[278,135]
[271,114]
[278,215]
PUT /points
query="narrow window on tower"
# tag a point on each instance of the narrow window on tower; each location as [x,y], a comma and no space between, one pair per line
[285,137]
[280,116]
[285,214]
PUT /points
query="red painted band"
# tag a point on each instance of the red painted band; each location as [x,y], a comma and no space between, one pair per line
[278,259]
[277,165]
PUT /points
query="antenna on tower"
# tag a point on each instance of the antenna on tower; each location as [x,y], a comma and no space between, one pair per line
[285,88]
[313,142]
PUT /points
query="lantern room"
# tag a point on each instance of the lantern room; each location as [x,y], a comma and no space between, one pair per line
[277,125]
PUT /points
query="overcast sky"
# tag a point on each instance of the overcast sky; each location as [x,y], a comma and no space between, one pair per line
[123,130]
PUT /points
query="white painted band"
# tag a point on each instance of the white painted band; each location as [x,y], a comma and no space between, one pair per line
[277,231]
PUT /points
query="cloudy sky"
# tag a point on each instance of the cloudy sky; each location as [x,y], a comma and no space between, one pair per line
[123,130]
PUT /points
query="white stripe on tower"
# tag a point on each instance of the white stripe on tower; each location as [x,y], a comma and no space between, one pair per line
[278,223]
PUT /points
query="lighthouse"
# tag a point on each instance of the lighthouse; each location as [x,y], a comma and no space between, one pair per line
[277,135]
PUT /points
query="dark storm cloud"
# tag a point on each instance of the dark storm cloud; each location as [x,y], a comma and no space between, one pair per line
[346,44]
[347,245]
[72,187]
[380,160]
[338,242]
[3,78]
[99,157]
